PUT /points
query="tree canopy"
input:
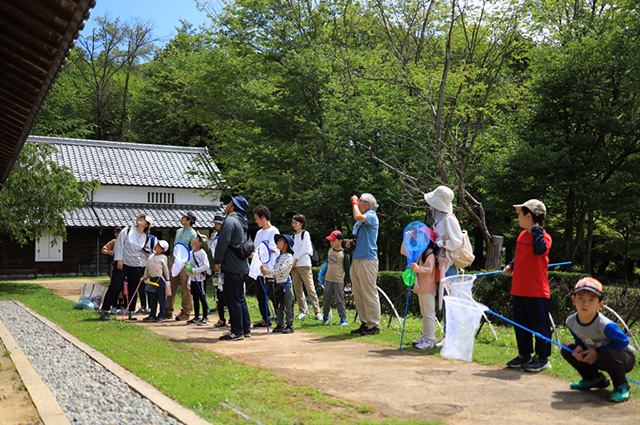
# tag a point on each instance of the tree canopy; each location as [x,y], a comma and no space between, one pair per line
[304,104]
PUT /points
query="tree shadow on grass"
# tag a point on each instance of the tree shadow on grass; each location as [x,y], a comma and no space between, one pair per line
[10,290]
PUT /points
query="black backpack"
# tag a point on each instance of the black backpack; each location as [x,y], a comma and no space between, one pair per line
[244,250]
[315,258]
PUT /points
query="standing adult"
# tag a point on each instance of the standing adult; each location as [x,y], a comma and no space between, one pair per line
[232,235]
[448,238]
[130,263]
[267,231]
[447,228]
[301,274]
[108,248]
[184,235]
[364,264]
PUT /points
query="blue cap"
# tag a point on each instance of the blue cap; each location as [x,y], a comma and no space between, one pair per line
[240,203]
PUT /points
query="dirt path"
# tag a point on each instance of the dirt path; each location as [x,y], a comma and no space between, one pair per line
[16,407]
[403,385]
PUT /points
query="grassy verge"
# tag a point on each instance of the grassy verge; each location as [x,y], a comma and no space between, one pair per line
[196,378]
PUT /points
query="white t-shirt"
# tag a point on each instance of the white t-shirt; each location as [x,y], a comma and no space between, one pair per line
[267,236]
[302,249]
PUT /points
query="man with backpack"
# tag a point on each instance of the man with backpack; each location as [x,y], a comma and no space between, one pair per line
[231,257]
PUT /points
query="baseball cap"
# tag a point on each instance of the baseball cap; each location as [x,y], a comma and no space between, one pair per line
[535,206]
[164,245]
[218,218]
[146,217]
[336,234]
[588,284]
[191,216]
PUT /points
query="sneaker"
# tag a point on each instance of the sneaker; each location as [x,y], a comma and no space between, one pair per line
[182,316]
[319,316]
[140,311]
[518,362]
[121,312]
[425,344]
[586,384]
[193,321]
[360,329]
[132,316]
[371,331]
[417,341]
[288,330]
[301,316]
[343,322]
[104,316]
[203,322]
[113,310]
[221,323]
[247,334]
[439,342]
[149,319]
[168,316]
[260,324]
[277,329]
[160,319]
[620,394]
[230,336]
[537,364]
[325,320]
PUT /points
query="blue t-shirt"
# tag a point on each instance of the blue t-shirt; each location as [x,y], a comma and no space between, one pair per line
[367,237]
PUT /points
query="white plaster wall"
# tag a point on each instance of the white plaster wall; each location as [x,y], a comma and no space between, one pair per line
[138,195]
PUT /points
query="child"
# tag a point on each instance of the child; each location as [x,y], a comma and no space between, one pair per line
[220,305]
[599,343]
[425,288]
[530,287]
[197,275]
[284,297]
[337,267]
[156,275]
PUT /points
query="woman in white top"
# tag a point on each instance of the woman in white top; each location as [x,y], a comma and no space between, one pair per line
[301,272]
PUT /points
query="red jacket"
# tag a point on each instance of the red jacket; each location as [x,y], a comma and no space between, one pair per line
[530,277]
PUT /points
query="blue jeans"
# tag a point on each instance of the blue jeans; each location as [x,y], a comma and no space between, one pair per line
[236,303]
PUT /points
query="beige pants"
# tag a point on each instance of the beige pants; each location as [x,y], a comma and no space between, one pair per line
[304,276]
[187,300]
[364,275]
[428,311]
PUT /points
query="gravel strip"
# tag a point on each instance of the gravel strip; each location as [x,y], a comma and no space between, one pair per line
[84,389]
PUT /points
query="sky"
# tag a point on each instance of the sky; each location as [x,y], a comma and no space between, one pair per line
[165,15]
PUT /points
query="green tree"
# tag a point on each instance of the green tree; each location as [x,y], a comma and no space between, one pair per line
[37,194]
[582,131]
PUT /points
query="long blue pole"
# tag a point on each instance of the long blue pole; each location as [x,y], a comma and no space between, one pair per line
[502,271]
[539,335]
[406,310]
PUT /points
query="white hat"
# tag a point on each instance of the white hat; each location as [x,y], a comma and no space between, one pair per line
[441,199]
[163,244]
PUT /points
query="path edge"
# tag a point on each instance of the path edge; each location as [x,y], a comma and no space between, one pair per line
[164,402]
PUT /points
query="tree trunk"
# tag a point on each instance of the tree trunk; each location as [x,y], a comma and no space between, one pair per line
[495,253]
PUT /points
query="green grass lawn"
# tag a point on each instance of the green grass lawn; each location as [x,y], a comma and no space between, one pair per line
[201,380]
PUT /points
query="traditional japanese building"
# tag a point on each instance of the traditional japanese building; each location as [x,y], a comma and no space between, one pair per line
[162,181]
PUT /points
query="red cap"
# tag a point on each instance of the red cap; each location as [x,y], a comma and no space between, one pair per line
[336,234]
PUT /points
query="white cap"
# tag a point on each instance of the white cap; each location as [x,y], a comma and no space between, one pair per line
[163,244]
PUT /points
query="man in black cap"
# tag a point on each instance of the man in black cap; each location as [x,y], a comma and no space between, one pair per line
[233,234]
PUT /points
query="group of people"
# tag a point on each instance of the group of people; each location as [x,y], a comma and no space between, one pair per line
[286,274]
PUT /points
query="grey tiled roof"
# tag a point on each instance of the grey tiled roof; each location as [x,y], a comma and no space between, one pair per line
[162,216]
[133,164]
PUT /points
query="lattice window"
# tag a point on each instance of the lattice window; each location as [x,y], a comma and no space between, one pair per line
[161,198]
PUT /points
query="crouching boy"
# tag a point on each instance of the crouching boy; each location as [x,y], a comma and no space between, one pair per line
[599,343]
